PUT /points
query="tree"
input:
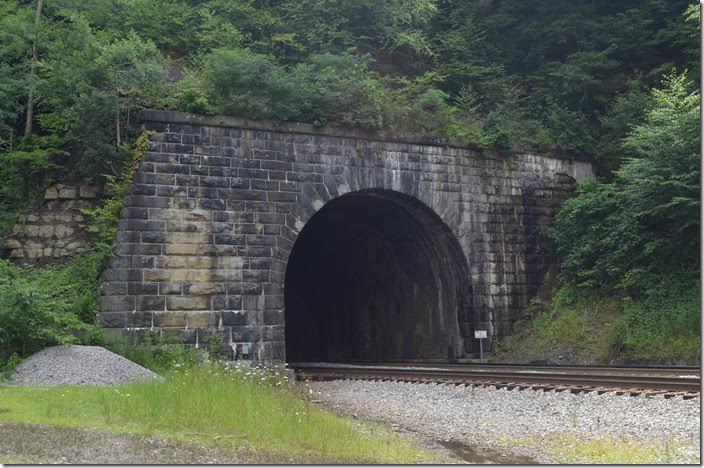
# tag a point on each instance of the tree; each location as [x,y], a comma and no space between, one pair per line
[646,222]
[33,69]
[15,76]
[93,92]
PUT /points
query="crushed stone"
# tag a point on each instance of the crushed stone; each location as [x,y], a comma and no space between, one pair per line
[522,421]
[78,365]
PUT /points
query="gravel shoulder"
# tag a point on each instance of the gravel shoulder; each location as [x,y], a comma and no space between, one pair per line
[488,425]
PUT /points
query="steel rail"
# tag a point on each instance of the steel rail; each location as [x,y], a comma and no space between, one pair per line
[634,370]
[636,379]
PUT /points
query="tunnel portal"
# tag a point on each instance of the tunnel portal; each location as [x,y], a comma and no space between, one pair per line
[404,244]
[375,275]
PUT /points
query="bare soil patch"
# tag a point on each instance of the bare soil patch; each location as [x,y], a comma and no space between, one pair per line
[33,443]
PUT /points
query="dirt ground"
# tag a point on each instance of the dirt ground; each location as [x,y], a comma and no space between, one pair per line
[31,443]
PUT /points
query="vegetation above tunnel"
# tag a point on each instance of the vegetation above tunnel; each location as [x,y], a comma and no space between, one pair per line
[578,75]
[494,73]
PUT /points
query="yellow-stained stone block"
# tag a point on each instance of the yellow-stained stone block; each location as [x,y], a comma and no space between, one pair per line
[195,215]
[13,244]
[181,249]
[206,288]
[186,237]
[157,276]
[182,276]
[187,261]
[169,319]
[203,320]
[187,303]
[52,193]
[229,263]
[87,191]
[68,192]
[165,214]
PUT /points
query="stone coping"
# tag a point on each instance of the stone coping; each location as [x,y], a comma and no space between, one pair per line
[166,116]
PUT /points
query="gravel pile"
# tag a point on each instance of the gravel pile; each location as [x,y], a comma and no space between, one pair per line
[79,365]
[485,416]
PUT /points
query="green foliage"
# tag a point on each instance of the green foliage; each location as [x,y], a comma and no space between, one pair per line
[394,32]
[163,350]
[569,74]
[627,111]
[94,91]
[45,307]
[568,331]
[646,222]
[104,218]
[9,365]
[341,89]
[16,30]
[665,325]
[25,174]
[192,96]
[251,85]
[660,325]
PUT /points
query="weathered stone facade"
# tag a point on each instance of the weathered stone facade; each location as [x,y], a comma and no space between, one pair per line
[55,229]
[218,204]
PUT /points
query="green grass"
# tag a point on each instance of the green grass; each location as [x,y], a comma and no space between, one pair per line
[576,332]
[666,324]
[660,325]
[18,460]
[570,449]
[210,405]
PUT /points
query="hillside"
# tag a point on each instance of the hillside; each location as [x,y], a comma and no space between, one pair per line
[615,81]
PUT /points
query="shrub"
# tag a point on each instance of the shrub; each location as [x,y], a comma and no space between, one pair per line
[105,218]
[163,351]
[645,224]
[666,323]
[250,85]
[36,313]
[341,90]
[57,304]
[192,95]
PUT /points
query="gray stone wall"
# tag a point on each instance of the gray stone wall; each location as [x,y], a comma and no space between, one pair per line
[55,229]
[217,204]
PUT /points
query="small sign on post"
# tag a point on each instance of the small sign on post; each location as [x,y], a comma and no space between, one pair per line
[480,335]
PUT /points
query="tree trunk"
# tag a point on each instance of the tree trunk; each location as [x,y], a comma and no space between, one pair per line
[117,125]
[33,69]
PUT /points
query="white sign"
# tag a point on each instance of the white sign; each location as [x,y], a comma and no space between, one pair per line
[480,333]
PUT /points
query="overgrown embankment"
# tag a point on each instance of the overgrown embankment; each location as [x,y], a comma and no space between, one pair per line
[628,250]
[662,328]
[41,307]
[233,412]
[58,303]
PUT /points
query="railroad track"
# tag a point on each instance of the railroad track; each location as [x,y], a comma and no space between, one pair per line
[666,381]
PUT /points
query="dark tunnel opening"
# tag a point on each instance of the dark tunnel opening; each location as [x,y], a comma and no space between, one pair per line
[376,275]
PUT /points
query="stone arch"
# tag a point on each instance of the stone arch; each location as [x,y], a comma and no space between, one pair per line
[375,274]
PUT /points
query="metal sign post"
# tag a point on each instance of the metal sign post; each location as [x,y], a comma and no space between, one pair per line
[480,335]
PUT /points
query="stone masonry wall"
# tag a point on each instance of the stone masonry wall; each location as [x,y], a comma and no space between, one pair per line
[55,229]
[217,203]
